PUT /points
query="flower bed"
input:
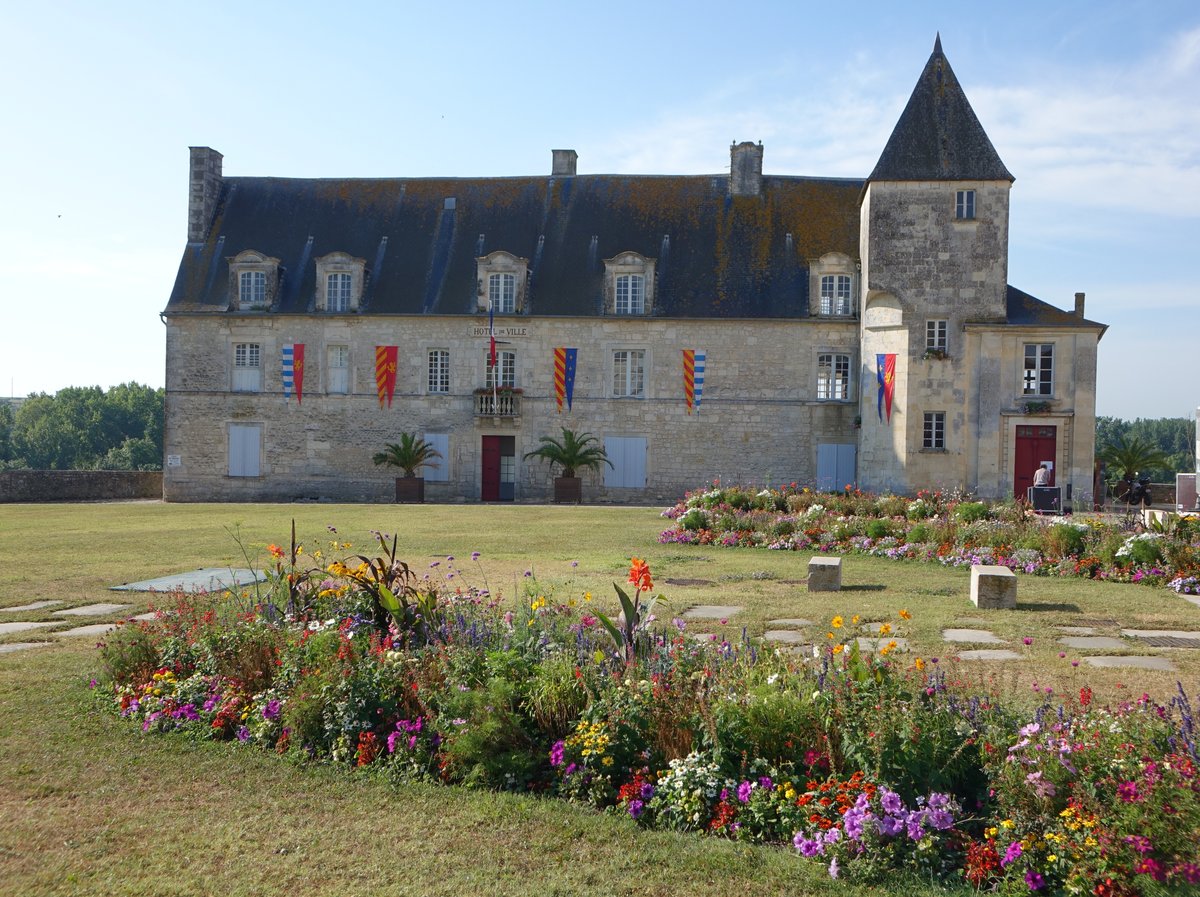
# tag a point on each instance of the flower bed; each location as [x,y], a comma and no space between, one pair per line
[867,763]
[937,528]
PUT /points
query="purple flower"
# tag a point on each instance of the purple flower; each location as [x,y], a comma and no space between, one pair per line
[1011,855]
[833,867]
[890,801]
[809,847]
[833,836]
[1034,880]
[743,792]
[916,825]
[891,826]
[635,808]
[556,753]
[574,563]
[765,783]
[474,555]
[243,734]
[647,791]
[271,711]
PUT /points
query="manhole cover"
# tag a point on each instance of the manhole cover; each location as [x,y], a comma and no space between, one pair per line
[1168,641]
[688,582]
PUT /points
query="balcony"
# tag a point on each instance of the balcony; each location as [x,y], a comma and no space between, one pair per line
[501,404]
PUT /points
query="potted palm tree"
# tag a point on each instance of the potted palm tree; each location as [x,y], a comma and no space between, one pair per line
[410,454]
[572,452]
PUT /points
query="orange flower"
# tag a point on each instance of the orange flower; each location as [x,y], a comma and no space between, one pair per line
[275,551]
[905,615]
[639,575]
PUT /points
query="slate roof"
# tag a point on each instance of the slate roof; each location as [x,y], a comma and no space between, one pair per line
[716,255]
[1024,309]
[938,136]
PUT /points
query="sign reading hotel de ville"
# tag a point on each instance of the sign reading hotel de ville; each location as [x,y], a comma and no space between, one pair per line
[502,331]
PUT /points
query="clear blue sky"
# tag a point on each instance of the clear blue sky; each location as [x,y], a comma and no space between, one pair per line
[1092,105]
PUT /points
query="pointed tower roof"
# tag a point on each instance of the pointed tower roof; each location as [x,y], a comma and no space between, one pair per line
[938,136]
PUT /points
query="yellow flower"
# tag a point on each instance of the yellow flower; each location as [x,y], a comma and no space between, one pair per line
[829,635]
[885,628]
[607,761]
[1051,858]
[837,649]
[854,619]
[905,615]
[1006,823]
[991,832]
[836,622]
[587,596]
[920,664]
[891,646]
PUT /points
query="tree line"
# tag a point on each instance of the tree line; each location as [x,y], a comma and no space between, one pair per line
[1157,448]
[84,428]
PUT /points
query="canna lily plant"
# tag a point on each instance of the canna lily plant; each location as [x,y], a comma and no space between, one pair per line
[631,636]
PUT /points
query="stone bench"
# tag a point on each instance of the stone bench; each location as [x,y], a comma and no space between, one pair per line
[825,575]
[993,588]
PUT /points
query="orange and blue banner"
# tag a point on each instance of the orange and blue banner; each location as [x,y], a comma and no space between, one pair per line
[885,367]
[693,378]
[385,373]
[564,376]
[293,371]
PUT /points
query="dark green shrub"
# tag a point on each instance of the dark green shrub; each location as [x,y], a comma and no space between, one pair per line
[892,506]
[130,655]
[492,746]
[922,532]
[1064,540]
[783,528]
[554,697]
[777,726]
[694,520]
[879,529]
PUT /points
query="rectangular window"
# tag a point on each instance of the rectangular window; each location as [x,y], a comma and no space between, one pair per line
[631,294]
[935,335]
[245,449]
[252,288]
[502,293]
[935,430]
[337,292]
[505,371]
[629,373]
[247,367]
[439,370]
[833,377]
[835,294]
[628,457]
[337,379]
[964,204]
[1038,377]
[438,471]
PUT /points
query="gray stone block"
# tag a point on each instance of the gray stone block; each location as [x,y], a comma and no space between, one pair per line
[825,575]
[993,587]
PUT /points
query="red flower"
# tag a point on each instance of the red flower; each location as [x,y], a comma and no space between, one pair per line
[639,575]
[275,551]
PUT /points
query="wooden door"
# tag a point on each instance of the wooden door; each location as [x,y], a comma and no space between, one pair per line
[1034,445]
[490,490]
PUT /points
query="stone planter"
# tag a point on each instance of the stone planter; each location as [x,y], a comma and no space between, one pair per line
[568,490]
[410,490]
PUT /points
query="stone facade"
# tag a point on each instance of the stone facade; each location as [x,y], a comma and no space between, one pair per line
[79,485]
[790,287]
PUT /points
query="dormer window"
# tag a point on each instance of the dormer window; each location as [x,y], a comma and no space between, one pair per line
[503,279]
[629,284]
[340,279]
[833,285]
[253,281]
[502,293]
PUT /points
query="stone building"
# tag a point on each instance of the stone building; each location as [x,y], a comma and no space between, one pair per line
[736,326]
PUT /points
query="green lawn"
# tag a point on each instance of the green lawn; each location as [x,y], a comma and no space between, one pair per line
[88,805]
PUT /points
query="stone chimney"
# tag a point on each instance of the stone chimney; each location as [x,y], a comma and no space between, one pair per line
[564,163]
[1079,305]
[745,169]
[204,191]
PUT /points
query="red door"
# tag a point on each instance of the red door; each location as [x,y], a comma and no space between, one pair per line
[1034,445]
[491,469]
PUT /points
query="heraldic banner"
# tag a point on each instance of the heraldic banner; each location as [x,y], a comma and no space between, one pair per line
[293,371]
[886,375]
[385,373]
[564,376]
[693,378]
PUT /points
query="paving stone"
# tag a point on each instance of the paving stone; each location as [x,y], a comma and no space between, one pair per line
[989,654]
[790,621]
[687,582]
[207,579]
[711,611]
[1162,633]
[151,615]
[1195,599]
[36,605]
[786,636]
[1141,663]
[91,610]
[972,636]
[21,646]
[6,628]
[92,629]
[1093,642]
[1076,630]
[874,644]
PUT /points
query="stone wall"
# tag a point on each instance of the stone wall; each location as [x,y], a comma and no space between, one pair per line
[759,418]
[79,485]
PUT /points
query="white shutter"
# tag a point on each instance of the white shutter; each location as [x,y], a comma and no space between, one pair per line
[440,473]
[628,457]
[245,449]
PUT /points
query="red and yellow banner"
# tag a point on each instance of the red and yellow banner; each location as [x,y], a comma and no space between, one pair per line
[385,373]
